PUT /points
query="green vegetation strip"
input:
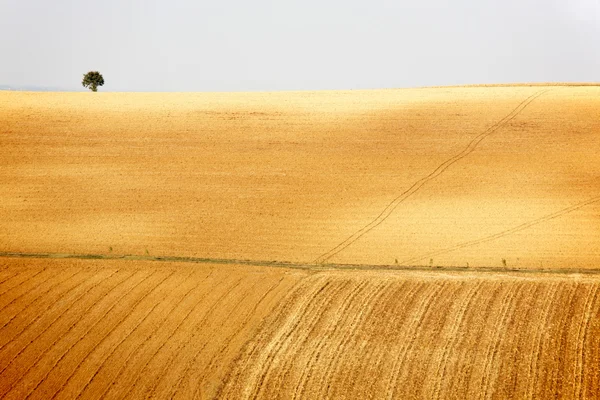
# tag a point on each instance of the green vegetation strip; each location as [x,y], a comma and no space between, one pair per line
[299,265]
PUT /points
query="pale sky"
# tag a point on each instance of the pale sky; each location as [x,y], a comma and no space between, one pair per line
[260,45]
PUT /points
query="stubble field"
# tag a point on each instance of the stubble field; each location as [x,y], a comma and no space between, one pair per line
[419,243]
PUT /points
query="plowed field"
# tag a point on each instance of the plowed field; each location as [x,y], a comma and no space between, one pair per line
[422,243]
[114,329]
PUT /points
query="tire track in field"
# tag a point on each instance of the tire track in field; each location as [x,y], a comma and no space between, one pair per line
[155,305]
[65,354]
[507,232]
[389,209]
[137,348]
[582,338]
[73,325]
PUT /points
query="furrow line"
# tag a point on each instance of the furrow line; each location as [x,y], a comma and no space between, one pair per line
[41,332]
[40,356]
[245,322]
[533,373]
[453,336]
[11,275]
[39,313]
[106,335]
[499,328]
[297,299]
[334,325]
[20,284]
[122,320]
[468,359]
[308,318]
[564,323]
[300,301]
[161,325]
[434,333]
[192,362]
[373,298]
[190,338]
[36,299]
[15,357]
[168,339]
[412,327]
[581,340]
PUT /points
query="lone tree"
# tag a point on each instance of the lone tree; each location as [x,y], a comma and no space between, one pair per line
[92,80]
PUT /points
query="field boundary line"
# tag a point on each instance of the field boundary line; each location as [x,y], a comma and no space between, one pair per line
[303,265]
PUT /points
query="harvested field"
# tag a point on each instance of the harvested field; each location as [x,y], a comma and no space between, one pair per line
[420,243]
[292,176]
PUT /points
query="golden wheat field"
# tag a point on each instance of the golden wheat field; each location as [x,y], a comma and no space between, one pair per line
[415,243]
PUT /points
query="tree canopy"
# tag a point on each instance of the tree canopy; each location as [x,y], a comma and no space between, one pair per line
[92,80]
